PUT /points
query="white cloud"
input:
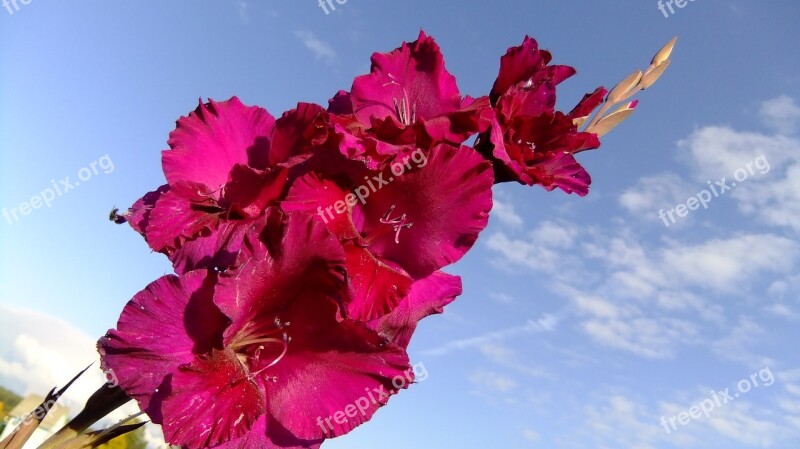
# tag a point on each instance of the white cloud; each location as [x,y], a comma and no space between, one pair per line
[776,202]
[493,381]
[321,49]
[647,337]
[738,344]
[782,310]
[739,421]
[241,7]
[503,356]
[646,300]
[544,250]
[40,351]
[550,234]
[772,192]
[771,188]
[727,264]
[546,323]
[622,422]
[531,435]
[501,297]
[504,211]
[652,193]
[714,152]
[781,114]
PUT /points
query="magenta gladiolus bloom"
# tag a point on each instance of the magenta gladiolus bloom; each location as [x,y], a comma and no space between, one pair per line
[408,101]
[256,356]
[227,163]
[530,142]
[400,227]
[308,248]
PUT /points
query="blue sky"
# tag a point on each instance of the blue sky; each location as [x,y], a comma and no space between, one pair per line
[583,321]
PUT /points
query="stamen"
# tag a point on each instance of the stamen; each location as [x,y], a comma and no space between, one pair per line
[397,109]
[397,224]
[285,343]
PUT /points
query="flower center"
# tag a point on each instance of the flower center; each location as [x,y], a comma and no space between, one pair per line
[397,224]
[406,113]
[260,346]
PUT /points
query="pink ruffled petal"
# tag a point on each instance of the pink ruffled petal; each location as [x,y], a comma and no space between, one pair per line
[314,195]
[180,213]
[250,191]
[474,116]
[427,297]
[278,265]
[430,216]
[161,328]
[374,287]
[413,76]
[138,215]
[335,375]
[216,136]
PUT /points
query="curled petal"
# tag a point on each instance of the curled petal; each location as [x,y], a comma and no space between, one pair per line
[215,137]
[427,297]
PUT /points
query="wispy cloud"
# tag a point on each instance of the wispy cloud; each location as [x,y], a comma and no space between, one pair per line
[781,114]
[241,7]
[321,49]
[546,323]
[505,212]
[41,351]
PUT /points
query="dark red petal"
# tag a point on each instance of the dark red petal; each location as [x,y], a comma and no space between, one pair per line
[563,171]
[314,195]
[297,133]
[374,288]
[340,104]
[588,103]
[250,191]
[211,401]
[216,247]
